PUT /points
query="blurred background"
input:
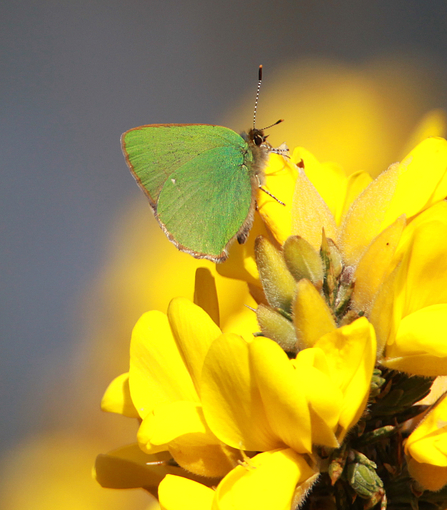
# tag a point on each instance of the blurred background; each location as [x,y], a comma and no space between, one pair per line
[358,82]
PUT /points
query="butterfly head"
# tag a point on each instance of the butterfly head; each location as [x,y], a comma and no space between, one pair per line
[257,137]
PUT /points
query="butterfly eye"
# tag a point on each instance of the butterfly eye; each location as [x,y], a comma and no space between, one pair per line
[258,139]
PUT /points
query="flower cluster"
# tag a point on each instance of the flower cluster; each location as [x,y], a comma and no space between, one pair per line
[320,405]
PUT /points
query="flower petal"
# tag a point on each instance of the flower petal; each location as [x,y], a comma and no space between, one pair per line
[181,428]
[310,214]
[375,265]
[157,372]
[280,180]
[424,268]
[170,421]
[430,477]
[351,356]
[281,388]
[328,178]
[422,180]
[194,331]
[384,313]
[231,400]
[420,347]
[178,493]
[324,398]
[266,482]
[117,397]
[364,220]
[428,443]
[357,182]
[128,467]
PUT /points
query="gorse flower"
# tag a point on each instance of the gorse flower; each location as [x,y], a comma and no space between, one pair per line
[320,401]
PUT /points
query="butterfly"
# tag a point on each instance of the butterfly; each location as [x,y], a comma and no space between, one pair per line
[201,181]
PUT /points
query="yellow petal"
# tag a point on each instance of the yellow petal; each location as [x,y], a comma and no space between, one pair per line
[432,478]
[265,482]
[281,388]
[178,493]
[364,220]
[424,268]
[324,397]
[194,332]
[181,428]
[310,214]
[280,180]
[375,265]
[128,467]
[328,178]
[351,355]
[384,314]
[422,180]
[170,421]
[420,347]
[436,213]
[428,443]
[231,400]
[311,315]
[117,397]
[357,182]
[157,372]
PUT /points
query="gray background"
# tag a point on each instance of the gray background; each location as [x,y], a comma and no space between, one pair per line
[74,76]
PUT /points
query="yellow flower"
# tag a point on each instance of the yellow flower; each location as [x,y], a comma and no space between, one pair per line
[166,358]
[274,480]
[205,397]
[426,449]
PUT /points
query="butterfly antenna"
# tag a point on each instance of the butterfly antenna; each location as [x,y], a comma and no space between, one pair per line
[274,124]
[257,96]
[256,103]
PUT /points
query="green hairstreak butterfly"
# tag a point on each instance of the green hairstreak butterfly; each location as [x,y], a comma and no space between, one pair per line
[201,181]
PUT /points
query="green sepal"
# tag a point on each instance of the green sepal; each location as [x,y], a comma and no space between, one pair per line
[278,284]
[275,326]
[303,260]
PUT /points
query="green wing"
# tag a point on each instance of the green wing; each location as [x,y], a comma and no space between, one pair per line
[197,178]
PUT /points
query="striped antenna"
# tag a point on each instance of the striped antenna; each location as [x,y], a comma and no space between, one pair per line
[256,103]
[257,96]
